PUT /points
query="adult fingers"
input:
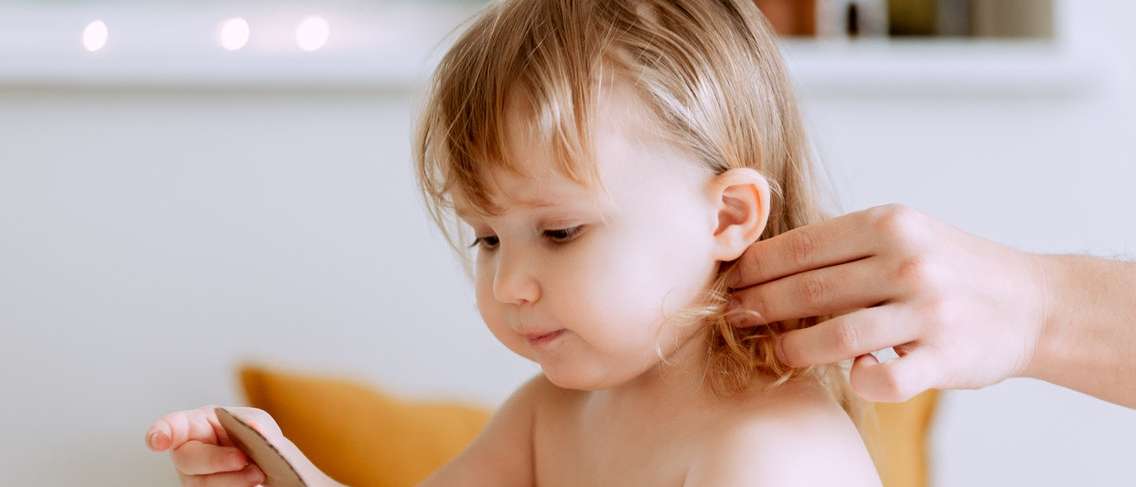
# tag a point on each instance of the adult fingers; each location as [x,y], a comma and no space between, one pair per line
[821,244]
[848,336]
[250,476]
[824,291]
[197,458]
[896,380]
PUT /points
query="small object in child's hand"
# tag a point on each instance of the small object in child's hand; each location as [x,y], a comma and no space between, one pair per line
[278,472]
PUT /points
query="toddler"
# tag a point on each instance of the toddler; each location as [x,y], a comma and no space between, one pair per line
[602,164]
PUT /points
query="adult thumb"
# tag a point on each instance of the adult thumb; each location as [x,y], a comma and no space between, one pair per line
[896,380]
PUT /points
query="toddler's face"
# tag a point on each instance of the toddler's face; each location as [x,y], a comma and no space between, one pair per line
[579,279]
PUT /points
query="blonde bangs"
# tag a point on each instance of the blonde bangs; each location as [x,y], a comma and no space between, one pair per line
[509,63]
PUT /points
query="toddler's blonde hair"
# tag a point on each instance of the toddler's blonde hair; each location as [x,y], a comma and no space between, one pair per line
[709,71]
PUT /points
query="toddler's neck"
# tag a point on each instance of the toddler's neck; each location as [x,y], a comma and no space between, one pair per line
[681,375]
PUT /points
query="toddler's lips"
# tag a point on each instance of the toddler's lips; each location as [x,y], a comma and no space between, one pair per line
[544,339]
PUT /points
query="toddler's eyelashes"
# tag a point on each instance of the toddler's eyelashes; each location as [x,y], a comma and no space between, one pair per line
[563,234]
[490,242]
[560,236]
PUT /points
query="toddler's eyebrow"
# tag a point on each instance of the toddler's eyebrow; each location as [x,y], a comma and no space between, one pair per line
[536,203]
[463,212]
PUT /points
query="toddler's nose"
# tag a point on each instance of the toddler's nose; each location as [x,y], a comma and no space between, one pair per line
[514,282]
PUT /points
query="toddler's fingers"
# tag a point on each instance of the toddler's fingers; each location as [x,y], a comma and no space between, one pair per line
[197,458]
[158,436]
[249,476]
[174,429]
[258,419]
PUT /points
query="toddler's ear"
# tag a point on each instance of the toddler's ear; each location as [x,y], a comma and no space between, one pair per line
[741,203]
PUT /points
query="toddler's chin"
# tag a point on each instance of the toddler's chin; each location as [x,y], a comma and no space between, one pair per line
[576,379]
[567,381]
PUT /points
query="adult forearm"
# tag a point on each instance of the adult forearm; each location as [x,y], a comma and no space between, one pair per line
[1089,338]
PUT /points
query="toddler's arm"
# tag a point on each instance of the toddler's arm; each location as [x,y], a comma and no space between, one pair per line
[502,454]
[203,453]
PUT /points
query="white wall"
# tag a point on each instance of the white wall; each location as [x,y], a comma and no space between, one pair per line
[150,239]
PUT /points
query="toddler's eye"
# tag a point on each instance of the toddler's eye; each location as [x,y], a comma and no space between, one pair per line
[487,243]
[563,235]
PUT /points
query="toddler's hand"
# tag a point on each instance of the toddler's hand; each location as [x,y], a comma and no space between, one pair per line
[204,455]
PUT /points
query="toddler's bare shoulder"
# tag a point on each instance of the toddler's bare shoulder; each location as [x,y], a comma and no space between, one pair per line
[795,434]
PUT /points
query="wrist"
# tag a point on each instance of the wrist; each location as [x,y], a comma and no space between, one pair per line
[1086,338]
[1052,274]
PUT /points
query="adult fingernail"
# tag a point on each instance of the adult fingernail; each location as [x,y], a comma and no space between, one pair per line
[736,315]
[733,310]
[779,349]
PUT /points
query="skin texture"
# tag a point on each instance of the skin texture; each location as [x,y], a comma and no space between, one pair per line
[961,311]
[1088,340]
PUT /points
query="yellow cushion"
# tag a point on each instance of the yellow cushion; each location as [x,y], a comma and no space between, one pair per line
[363,437]
[898,440]
[358,435]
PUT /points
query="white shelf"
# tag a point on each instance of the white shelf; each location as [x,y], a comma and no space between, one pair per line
[939,67]
[394,47]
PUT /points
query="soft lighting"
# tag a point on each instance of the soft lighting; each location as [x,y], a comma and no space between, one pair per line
[234,33]
[312,33]
[95,36]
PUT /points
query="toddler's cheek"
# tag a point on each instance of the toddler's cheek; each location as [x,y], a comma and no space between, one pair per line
[617,319]
[491,316]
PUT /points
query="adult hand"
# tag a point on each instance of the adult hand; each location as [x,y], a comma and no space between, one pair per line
[960,311]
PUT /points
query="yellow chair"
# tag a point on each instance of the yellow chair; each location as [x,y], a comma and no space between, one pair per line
[363,437]
[898,440]
[358,435]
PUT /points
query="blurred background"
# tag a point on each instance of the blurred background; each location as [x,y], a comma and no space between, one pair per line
[188,186]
